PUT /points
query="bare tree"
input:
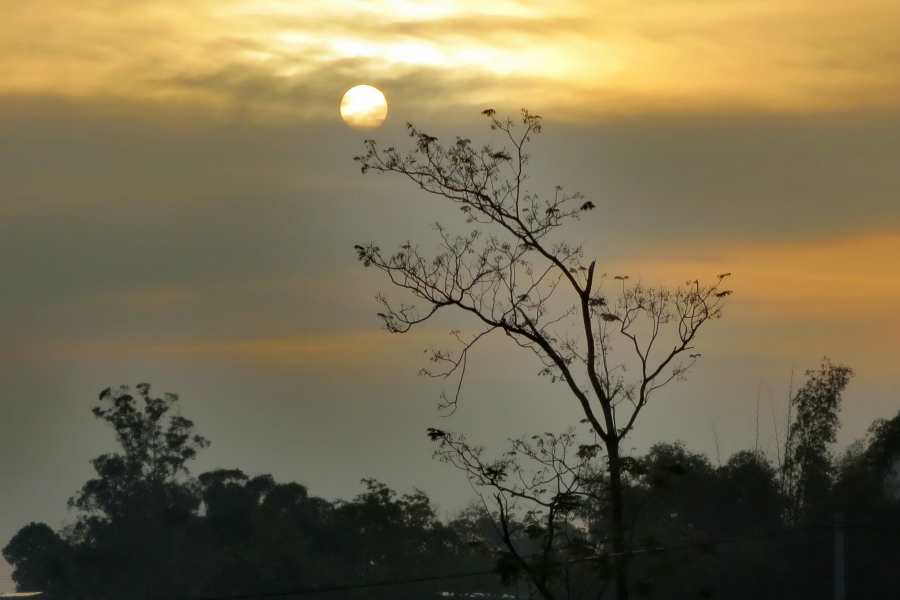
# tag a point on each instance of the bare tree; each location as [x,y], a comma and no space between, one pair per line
[542,496]
[516,278]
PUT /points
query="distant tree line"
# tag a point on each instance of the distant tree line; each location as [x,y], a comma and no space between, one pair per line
[147,530]
[756,525]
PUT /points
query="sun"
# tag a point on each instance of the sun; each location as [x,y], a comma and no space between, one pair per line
[364,107]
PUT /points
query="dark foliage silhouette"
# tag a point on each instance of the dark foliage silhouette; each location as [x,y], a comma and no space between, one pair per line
[147,530]
[511,274]
[698,530]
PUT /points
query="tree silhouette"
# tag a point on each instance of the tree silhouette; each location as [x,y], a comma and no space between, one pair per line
[806,472]
[228,534]
[156,447]
[146,530]
[134,516]
[41,559]
[513,276]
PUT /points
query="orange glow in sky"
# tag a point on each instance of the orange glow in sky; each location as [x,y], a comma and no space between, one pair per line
[281,62]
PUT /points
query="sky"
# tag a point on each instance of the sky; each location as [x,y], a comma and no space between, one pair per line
[179,205]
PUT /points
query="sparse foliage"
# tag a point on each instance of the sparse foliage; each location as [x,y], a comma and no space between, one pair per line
[806,472]
[156,447]
[541,490]
[513,276]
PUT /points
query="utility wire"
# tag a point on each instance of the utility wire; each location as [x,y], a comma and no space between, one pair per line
[561,563]
[344,587]
[873,528]
[726,540]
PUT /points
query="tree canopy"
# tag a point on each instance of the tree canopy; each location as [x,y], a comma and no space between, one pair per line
[700,530]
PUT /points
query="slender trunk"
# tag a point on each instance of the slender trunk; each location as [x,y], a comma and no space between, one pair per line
[540,582]
[620,562]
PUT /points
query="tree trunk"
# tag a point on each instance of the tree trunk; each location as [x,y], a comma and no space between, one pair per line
[620,562]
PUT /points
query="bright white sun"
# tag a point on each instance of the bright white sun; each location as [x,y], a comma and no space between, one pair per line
[363,107]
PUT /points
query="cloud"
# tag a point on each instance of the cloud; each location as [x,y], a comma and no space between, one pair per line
[361,351]
[807,276]
[282,62]
[808,298]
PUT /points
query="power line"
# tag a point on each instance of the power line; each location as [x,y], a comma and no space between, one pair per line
[561,563]
[873,528]
[339,588]
[357,586]
[730,540]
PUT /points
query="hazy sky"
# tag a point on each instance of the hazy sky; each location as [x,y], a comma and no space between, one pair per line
[179,205]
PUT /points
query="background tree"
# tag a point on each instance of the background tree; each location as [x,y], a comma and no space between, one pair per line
[705,530]
[129,539]
[680,500]
[806,473]
[146,530]
[156,447]
[865,491]
[540,491]
[41,561]
[514,277]
[132,515]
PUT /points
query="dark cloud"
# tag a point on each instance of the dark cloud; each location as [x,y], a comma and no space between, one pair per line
[483,28]
[258,93]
